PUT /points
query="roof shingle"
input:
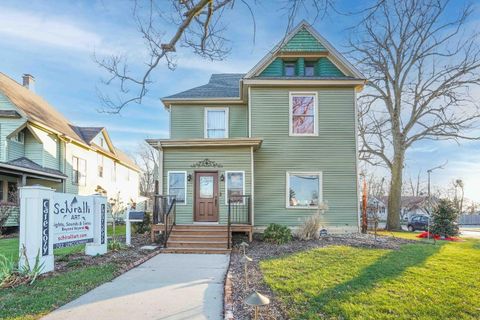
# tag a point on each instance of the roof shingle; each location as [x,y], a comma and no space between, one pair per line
[220,85]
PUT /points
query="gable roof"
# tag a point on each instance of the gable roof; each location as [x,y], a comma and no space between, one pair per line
[37,110]
[220,85]
[304,29]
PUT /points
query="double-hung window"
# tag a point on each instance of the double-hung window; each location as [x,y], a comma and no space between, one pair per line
[216,122]
[235,186]
[79,171]
[303,114]
[100,165]
[177,186]
[304,189]
[289,69]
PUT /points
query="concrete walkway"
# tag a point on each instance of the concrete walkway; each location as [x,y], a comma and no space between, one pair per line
[168,286]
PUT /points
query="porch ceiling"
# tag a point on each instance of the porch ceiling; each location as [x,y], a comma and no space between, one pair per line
[188,143]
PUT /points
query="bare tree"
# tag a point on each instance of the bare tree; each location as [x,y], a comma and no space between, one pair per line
[421,64]
[198,26]
[415,187]
[147,159]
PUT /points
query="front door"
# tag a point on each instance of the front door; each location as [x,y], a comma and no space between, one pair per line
[206,197]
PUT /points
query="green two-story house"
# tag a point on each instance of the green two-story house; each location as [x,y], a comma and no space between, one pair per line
[280,140]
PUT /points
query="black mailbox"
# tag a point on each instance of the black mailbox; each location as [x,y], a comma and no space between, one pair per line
[136,216]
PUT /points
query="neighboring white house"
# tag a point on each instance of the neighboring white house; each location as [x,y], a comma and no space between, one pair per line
[410,205]
[38,145]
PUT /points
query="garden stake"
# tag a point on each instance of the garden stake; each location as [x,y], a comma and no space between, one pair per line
[244,246]
[256,300]
[246,260]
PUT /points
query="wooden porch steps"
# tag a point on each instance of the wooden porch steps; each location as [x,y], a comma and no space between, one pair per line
[198,239]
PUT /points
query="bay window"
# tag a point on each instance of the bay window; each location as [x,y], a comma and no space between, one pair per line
[304,189]
[303,114]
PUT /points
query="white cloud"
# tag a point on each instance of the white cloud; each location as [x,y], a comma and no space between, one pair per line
[47,30]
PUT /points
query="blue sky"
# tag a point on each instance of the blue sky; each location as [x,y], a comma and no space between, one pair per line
[55,41]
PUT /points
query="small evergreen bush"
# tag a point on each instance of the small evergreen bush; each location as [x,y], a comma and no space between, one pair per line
[444,219]
[144,226]
[277,234]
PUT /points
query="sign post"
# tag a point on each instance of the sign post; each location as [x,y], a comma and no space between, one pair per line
[36,227]
[51,220]
[99,244]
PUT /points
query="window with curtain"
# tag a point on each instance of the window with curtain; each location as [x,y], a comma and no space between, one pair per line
[235,186]
[303,189]
[216,123]
[177,186]
[303,111]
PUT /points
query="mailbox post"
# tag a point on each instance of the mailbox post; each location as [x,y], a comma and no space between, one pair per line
[132,216]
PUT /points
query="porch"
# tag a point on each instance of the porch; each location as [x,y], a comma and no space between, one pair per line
[200,237]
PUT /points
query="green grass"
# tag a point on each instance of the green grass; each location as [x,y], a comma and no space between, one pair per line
[400,234]
[34,301]
[419,281]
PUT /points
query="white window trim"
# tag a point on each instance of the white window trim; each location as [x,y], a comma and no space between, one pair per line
[287,189]
[15,137]
[205,120]
[315,113]
[185,182]
[226,185]
[78,182]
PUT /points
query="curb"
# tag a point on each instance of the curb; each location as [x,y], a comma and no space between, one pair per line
[228,299]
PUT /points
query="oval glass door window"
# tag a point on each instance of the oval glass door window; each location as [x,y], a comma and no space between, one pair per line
[206,187]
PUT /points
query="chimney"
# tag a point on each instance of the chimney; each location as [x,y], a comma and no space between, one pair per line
[28,81]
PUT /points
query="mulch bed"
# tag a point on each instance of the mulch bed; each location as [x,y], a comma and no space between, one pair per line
[259,250]
[125,258]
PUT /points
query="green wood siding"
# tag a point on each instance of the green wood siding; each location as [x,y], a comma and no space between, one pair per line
[7,126]
[33,148]
[15,150]
[187,122]
[181,159]
[274,69]
[325,68]
[300,67]
[333,152]
[303,41]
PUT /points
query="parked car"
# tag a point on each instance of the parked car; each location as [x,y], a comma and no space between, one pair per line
[418,222]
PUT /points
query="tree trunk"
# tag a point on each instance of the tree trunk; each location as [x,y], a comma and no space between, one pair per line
[395,194]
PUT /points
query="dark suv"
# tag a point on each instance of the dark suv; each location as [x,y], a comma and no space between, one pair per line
[418,223]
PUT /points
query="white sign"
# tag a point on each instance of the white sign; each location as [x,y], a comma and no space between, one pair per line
[72,219]
[51,220]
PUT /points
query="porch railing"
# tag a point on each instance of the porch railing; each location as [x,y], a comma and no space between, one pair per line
[239,212]
[165,212]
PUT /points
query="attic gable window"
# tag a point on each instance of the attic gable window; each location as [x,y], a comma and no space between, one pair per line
[289,69]
[216,123]
[309,68]
[303,114]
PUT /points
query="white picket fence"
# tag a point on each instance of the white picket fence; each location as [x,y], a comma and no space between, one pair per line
[470,219]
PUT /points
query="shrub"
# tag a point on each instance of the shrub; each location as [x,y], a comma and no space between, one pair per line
[444,219]
[12,275]
[310,228]
[144,226]
[278,234]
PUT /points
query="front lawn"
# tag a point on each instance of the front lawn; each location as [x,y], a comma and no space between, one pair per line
[418,281]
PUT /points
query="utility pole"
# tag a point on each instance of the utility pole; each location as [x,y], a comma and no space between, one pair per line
[364,205]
